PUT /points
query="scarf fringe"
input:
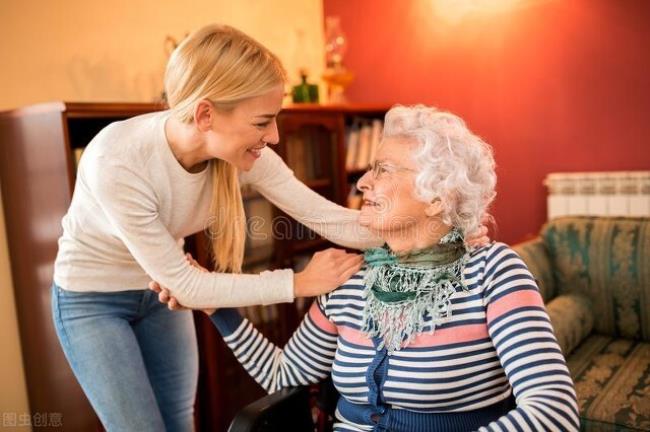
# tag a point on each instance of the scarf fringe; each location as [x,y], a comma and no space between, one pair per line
[397,323]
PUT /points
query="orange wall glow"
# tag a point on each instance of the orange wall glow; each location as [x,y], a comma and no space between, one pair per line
[553,85]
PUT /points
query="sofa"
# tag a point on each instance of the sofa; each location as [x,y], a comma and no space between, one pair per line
[594,276]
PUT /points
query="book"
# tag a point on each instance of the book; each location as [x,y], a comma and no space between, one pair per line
[352,147]
[363,157]
[375,138]
[295,156]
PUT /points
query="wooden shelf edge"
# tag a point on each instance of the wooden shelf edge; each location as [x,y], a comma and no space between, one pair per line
[338,108]
[87,109]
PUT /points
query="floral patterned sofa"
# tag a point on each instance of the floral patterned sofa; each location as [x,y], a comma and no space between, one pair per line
[594,275]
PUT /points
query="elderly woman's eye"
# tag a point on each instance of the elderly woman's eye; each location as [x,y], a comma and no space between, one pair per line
[382,169]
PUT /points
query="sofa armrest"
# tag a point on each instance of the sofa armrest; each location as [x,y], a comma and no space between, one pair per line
[535,255]
[286,409]
[572,319]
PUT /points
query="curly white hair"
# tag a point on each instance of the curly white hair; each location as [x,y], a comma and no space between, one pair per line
[455,165]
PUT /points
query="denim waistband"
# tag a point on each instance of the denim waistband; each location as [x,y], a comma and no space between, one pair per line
[398,420]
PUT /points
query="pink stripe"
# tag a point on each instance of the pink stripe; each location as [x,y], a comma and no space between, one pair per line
[356,337]
[460,334]
[320,319]
[514,300]
[466,333]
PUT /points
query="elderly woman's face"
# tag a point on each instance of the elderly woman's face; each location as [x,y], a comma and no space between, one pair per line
[389,201]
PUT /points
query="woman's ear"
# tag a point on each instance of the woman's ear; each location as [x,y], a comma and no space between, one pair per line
[434,208]
[204,115]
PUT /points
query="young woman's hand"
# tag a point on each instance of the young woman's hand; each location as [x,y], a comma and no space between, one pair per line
[171,302]
[479,238]
[326,271]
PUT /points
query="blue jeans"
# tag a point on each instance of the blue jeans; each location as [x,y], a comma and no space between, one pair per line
[136,360]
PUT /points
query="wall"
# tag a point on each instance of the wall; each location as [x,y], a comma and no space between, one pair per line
[96,51]
[13,397]
[552,85]
[114,51]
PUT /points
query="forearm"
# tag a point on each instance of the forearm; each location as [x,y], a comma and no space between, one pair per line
[336,223]
[273,179]
[197,290]
[552,409]
[272,367]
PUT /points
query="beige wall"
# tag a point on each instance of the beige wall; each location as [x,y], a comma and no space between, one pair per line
[13,397]
[114,51]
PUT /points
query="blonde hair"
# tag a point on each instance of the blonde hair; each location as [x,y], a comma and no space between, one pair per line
[225,66]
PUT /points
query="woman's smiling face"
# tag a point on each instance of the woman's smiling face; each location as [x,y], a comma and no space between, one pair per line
[390,205]
[238,136]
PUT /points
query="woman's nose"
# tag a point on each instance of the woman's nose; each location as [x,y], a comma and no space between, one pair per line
[273,136]
[365,182]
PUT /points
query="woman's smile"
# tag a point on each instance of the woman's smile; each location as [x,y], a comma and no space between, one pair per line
[369,203]
[255,152]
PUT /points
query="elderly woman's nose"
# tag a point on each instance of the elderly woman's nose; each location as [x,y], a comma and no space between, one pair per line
[364,183]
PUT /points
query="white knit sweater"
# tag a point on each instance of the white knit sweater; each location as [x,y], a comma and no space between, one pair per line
[134,203]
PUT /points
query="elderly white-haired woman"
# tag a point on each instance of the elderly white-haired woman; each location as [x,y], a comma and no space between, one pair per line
[428,335]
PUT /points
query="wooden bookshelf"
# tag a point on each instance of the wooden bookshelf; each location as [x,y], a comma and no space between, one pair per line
[37,174]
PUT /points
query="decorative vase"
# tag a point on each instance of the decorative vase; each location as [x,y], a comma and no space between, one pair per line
[336,75]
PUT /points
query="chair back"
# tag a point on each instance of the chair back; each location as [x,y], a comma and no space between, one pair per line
[607,260]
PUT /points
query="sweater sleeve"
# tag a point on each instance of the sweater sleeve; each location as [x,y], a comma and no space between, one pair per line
[128,200]
[527,349]
[306,358]
[276,182]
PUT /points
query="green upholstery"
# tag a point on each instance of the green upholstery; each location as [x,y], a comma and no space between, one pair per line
[612,378]
[572,319]
[594,275]
[608,261]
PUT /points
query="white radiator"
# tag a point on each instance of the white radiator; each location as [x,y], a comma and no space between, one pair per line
[619,193]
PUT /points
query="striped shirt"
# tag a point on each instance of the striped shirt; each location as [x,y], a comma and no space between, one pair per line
[497,343]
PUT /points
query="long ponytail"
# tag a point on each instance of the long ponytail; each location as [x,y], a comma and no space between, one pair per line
[225,66]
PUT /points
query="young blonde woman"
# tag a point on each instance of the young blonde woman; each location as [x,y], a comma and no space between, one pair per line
[146,183]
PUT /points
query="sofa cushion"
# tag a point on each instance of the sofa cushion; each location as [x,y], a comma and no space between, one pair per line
[612,378]
[608,261]
[572,320]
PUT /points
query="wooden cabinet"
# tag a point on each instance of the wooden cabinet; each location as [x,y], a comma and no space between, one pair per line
[37,174]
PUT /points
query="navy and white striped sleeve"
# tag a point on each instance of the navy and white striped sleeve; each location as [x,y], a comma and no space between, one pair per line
[527,349]
[306,359]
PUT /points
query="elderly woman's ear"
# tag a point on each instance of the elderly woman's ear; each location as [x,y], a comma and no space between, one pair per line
[434,209]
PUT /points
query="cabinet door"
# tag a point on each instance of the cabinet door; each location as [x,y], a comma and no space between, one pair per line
[224,386]
[311,144]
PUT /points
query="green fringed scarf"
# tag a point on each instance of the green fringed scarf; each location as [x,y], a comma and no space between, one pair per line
[402,289]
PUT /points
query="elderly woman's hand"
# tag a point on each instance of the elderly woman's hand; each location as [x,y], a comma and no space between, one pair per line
[171,302]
